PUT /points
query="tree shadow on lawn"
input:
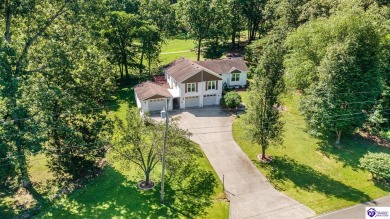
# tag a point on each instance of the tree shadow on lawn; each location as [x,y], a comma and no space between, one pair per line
[306,178]
[351,149]
[112,195]
[122,95]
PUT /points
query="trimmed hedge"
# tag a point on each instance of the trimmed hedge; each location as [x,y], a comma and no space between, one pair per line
[377,163]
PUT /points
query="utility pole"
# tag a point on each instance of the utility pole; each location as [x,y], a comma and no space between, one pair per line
[163,151]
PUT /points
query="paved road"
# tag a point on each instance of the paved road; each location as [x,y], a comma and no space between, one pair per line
[250,194]
[357,211]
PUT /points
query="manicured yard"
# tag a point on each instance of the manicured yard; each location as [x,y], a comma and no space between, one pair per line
[319,175]
[176,48]
[114,193]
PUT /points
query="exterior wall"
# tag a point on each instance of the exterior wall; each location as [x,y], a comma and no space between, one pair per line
[201,91]
[173,85]
[142,104]
[227,78]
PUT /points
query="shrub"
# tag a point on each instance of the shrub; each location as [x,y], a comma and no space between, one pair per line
[377,163]
[232,99]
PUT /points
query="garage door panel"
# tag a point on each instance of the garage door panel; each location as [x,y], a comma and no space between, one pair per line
[209,99]
[192,101]
[156,104]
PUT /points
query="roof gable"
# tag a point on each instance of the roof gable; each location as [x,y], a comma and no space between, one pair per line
[182,69]
[150,90]
[202,76]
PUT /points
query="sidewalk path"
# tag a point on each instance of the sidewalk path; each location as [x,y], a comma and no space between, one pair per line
[165,53]
[357,211]
[250,194]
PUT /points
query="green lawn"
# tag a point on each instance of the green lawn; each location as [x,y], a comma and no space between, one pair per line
[176,48]
[319,175]
[114,193]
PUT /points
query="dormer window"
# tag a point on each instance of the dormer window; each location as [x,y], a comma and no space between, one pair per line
[235,76]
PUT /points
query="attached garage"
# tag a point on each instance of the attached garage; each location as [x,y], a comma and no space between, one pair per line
[156,104]
[152,97]
[192,101]
[209,99]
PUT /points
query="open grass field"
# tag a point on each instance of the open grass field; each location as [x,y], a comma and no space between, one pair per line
[316,173]
[114,193]
[176,48]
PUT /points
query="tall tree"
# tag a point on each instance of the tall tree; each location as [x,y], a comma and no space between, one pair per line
[263,117]
[32,25]
[150,39]
[201,18]
[342,67]
[121,34]
[140,142]
[160,13]
[253,10]
[69,92]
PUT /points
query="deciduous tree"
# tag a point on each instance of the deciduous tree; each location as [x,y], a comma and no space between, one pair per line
[338,70]
[263,116]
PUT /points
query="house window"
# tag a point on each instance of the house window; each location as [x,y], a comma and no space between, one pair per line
[235,76]
[191,87]
[211,85]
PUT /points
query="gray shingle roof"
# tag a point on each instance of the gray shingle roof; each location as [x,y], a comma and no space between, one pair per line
[223,66]
[183,68]
[150,89]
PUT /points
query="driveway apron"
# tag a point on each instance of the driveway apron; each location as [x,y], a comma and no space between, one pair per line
[249,192]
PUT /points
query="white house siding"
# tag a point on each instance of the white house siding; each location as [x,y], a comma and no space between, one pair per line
[227,78]
[201,92]
[174,85]
[142,104]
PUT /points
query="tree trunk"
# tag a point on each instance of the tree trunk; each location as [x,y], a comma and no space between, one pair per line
[338,133]
[199,44]
[149,61]
[141,62]
[121,70]
[263,152]
[233,39]
[8,17]
[147,177]
[126,67]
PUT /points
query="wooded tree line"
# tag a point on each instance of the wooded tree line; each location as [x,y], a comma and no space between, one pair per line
[336,53]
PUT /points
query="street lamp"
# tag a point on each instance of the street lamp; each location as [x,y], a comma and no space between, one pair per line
[164,114]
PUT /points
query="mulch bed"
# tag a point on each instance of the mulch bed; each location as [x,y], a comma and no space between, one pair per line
[267,158]
[143,186]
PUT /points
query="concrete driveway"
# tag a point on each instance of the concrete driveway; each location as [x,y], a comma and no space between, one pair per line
[249,192]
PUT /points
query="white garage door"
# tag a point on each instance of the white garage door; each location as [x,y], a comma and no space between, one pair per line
[156,104]
[209,99]
[192,101]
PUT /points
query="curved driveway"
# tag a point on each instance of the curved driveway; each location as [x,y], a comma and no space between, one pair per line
[249,192]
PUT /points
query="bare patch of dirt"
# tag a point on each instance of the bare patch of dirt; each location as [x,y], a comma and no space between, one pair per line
[380,141]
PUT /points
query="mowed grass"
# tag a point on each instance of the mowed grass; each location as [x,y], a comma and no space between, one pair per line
[176,48]
[114,193]
[318,174]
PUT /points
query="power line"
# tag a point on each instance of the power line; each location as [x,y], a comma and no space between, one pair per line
[58,149]
[61,155]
